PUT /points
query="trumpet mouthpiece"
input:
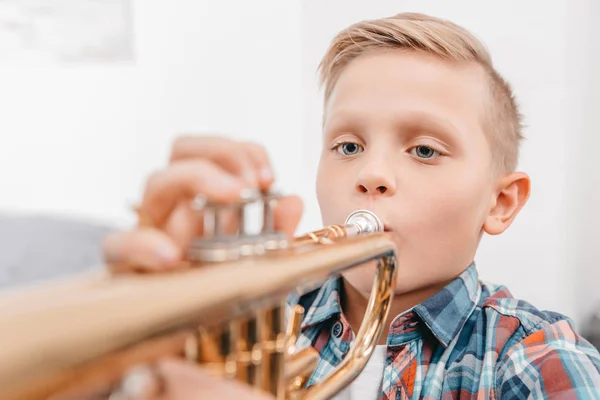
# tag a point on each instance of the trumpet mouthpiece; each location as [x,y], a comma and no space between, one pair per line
[363,222]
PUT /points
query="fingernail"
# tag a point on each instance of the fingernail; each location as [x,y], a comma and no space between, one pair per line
[266,174]
[249,193]
[140,383]
[168,253]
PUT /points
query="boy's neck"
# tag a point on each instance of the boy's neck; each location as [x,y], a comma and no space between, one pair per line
[354,305]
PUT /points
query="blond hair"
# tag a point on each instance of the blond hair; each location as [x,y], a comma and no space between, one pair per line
[443,39]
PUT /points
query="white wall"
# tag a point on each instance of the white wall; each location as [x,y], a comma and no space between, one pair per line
[583,141]
[79,140]
[546,257]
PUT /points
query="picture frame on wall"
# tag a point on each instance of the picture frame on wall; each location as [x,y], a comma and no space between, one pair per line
[43,32]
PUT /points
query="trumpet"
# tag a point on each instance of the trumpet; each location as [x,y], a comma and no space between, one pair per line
[229,312]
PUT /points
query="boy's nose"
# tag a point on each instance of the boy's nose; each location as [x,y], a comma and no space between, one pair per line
[378,189]
[376,181]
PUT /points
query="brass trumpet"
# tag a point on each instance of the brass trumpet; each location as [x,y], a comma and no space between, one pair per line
[77,337]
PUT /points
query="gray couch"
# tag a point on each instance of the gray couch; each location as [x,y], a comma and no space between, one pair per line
[40,247]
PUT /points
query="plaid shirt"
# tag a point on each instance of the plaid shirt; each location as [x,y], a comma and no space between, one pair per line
[470,340]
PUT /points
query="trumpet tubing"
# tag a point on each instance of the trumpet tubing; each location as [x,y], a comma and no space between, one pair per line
[228,313]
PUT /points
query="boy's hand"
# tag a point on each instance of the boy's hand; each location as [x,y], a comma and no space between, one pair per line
[217,168]
[174,379]
[179,380]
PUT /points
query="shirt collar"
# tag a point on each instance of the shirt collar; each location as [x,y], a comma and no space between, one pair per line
[326,304]
[443,314]
[446,312]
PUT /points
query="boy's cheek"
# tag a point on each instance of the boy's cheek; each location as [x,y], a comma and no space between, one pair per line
[418,203]
[334,195]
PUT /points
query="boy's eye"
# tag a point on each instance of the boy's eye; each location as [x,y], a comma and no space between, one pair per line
[349,149]
[425,152]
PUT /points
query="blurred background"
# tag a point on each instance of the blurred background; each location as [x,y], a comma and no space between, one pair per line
[92,94]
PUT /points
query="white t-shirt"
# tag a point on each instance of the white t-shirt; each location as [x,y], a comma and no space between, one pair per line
[367,385]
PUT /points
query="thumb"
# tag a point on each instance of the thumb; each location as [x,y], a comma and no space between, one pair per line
[287,214]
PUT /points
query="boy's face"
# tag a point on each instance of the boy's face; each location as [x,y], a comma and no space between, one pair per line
[403,137]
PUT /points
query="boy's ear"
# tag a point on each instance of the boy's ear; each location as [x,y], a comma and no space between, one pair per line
[511,196]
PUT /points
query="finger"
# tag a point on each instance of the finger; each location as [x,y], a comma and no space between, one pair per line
[145,249]
[228,154]
[260,159]
[184,380]
[183,181]
[184,371]
[288,213]
[184,224]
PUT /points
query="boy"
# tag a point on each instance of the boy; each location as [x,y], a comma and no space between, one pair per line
[419,128]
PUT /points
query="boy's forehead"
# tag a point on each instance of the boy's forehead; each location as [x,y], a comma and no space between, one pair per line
[384,83]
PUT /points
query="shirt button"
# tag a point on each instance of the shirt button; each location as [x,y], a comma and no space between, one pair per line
[337,329]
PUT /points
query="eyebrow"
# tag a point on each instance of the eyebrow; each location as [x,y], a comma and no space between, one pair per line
[413,120]
[436,125]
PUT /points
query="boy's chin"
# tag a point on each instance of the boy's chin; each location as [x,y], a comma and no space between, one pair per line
[361,277]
